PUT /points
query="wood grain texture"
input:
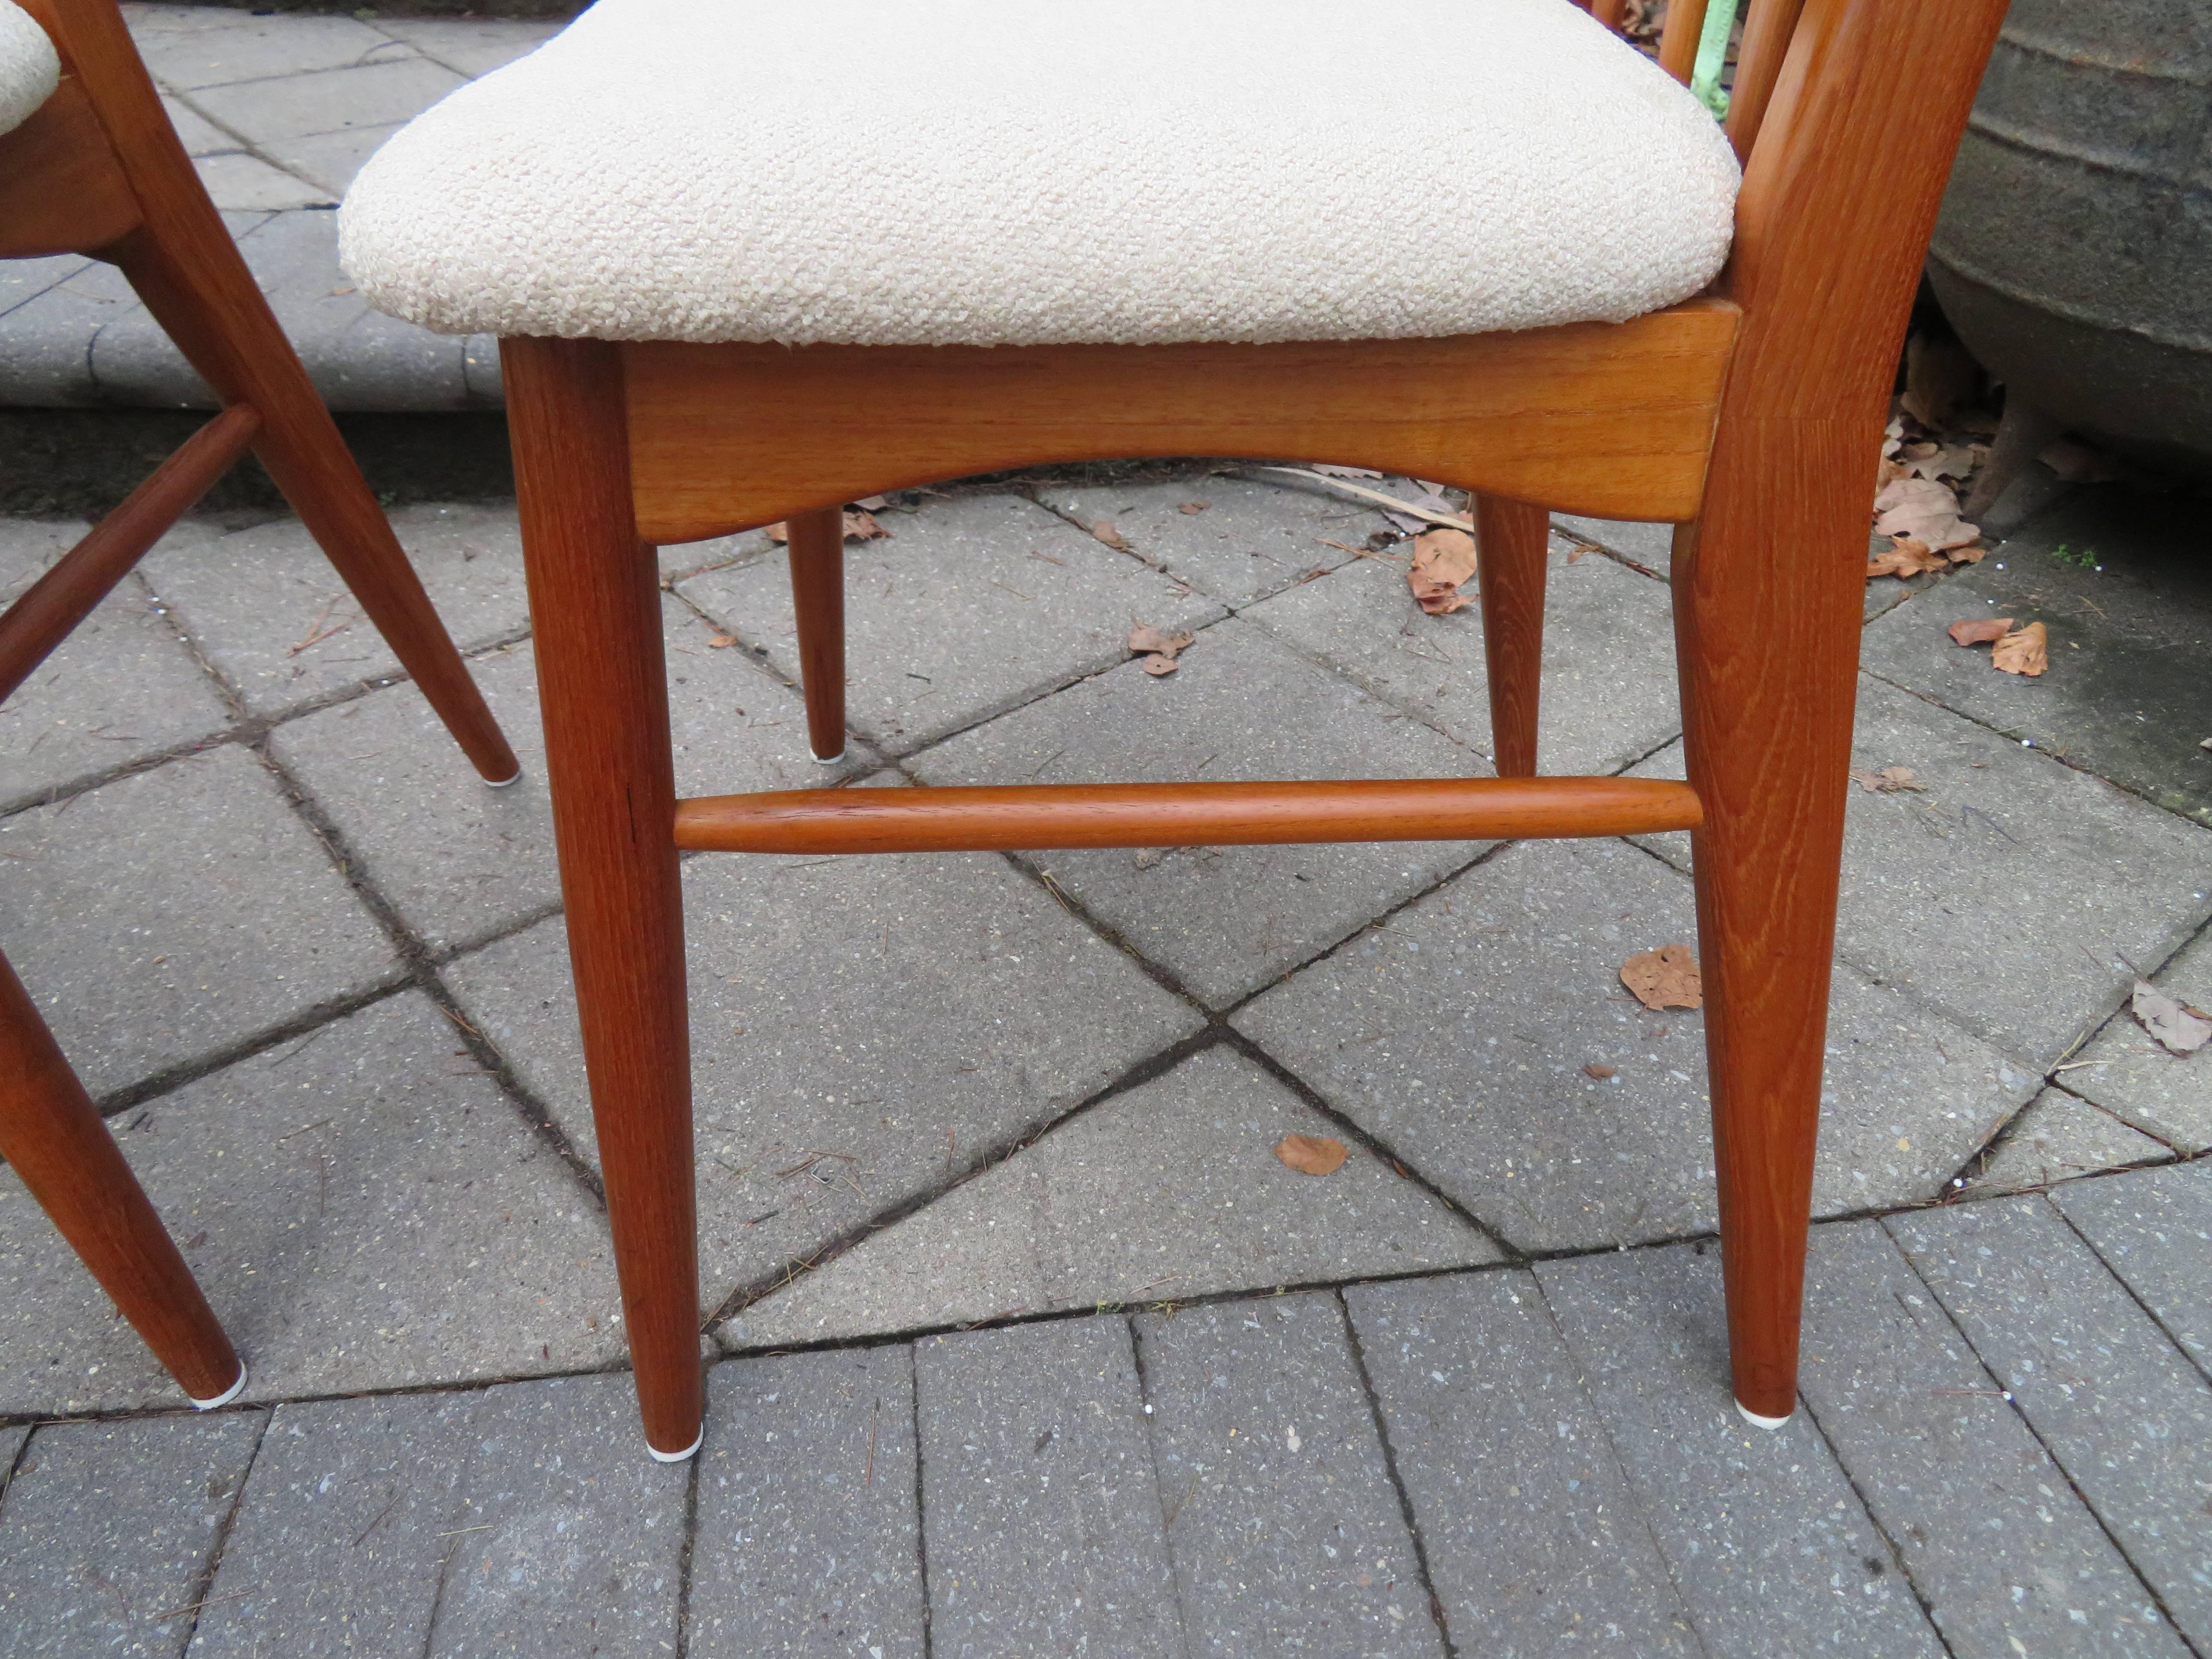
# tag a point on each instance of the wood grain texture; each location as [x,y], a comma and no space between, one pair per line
[1034,815]
[1512,539]
[816,548]
[51,1135]
[1767,586]
[1677,39]
[45,612]
[1609,419]
[181,259]
[61,190]
[595,619]
[1766,35]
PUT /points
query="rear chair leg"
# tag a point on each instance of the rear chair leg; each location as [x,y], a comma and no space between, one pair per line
[1510,539]
[1767,588]
[53,1136]
[595,609]
[817,593]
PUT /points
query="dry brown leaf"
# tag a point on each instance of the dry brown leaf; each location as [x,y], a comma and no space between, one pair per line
[1665,978]
[1194,506]
[1924,510]
[1158,649]
[778,534]
[1980,630]
[1442,559]
[2027,652]
[1945,461]
[1601,1072]
[1906,557]
[871,504]
[1313,1155]
[1966,554]
[1890,781]
[1104,531]
[721,642]
[862,527]
[2178,1029]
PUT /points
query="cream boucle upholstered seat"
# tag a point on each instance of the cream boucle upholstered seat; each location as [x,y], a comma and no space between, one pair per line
[29,68]
[1032,172]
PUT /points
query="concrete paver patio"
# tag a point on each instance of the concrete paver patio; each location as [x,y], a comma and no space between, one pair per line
[1021,1340]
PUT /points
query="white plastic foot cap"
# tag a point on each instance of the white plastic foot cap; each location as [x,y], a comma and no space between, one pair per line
[837,759]
[1756,1421]
[225,1397]
[676,1457]
[504,783]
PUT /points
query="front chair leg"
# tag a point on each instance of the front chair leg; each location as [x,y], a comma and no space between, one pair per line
[595,615]
[1509,541]
[1766,590]
[51,1136]
[818,595]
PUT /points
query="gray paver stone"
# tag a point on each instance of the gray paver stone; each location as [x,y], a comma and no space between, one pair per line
[109,1529]
[1285,1532]
[1460,1033]
[242,182]
[2126,1071]
[461,861]
[2057,1138]
[122,686]
[364,1210]
[251,599]
[1531,1531]
[199,134]
[863,1029]
[1749,1520]
[2127,1416]
[809,1539]
[330,159]
[2154,1231]
[172,913]
[1990,1532]
[969,606]
[1608,694]
[45,356]
[2130,631]
[26,279]
[470,47]
[395,85]
[1650,546]
[1254,537]
[1224,921]
[1041,1511]
[2012,891]
[255,49]
[1172,1190]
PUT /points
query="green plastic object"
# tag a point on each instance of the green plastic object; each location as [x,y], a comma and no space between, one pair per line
[1712,53]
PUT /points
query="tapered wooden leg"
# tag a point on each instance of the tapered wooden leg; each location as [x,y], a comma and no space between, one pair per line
[1510,539]
[595,615]
[817,593]
[52,1137]
[207,300]
[1767,588]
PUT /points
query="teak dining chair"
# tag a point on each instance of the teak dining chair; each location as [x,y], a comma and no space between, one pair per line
[90,164]
[1147,228]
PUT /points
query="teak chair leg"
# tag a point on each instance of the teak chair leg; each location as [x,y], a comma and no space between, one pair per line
[818,594]
[51,1134]
[1509,541]
[595,613]
[216,315]
[1767,590]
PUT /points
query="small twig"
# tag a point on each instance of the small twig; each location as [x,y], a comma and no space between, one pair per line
[458,1531]
[179,1613]
[869,1479]
[1395,503]
[379,1521]
[1015,591]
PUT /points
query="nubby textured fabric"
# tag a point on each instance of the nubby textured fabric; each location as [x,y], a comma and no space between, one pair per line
[30,70]
[1030,171]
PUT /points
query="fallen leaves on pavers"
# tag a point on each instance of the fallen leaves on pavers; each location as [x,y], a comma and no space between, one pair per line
[1314,1155]
[1158,649]
[1104,531]
[1890,781]
[1442,559]
[1980,630]
[1192,508]
[1329,472]
[2026,651]
[1906,557]
[721,641]
[1665,978]
[1924,472]
[2179,1028]
[860,526]
[1395,506]
[1925,510]
[1601,1072]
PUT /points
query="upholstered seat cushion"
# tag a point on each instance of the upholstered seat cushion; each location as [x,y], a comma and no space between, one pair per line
[29,69]
[1021,172]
